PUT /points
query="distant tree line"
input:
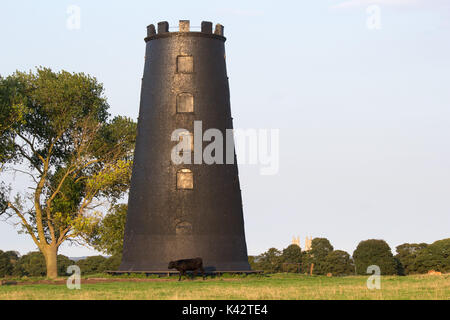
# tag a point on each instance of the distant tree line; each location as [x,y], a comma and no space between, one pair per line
[33,264]
[322,259]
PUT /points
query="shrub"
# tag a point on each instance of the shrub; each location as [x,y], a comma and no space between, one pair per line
[92,265]
[64,263]
[113,263]
[30,265]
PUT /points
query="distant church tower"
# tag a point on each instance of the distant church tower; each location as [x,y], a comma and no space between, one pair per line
[308,243]
[296,241]
[180,211]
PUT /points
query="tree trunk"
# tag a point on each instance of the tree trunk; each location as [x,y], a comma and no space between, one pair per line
[51,254]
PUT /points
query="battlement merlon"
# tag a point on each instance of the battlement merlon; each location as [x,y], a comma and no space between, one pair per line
[162,30]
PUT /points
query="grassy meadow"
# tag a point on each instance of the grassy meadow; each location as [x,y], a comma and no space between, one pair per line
[254,287]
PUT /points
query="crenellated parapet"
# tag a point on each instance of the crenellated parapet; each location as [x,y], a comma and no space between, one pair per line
[184,28]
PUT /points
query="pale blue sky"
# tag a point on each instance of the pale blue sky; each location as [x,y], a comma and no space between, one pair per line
[364,115]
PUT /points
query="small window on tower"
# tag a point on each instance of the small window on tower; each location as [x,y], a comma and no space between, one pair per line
[185,179]
[183,228]
[185,103]
[185,64]
[187,141]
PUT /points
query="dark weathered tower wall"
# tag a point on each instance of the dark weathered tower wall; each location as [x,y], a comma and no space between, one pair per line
[166,223]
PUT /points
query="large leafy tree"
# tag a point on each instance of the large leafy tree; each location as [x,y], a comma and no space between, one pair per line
[108,235]
[6,266]
[12,110]
[320,248]
[374,252]
[435,257]
[13,256]
[292,258]
[270,261]
[57,131]
[252,260]
[338,263]
[292,254]
[407,254]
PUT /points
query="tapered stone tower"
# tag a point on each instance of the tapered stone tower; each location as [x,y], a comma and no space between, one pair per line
[179,211]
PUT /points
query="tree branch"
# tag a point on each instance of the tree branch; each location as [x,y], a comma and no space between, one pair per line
[31,146]
[25,224]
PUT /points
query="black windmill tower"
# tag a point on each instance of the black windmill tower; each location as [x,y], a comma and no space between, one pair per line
[179,211]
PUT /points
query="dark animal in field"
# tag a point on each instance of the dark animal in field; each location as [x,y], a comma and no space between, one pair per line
[182,266]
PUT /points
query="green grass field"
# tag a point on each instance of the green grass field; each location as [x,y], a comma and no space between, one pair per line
[278,286]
